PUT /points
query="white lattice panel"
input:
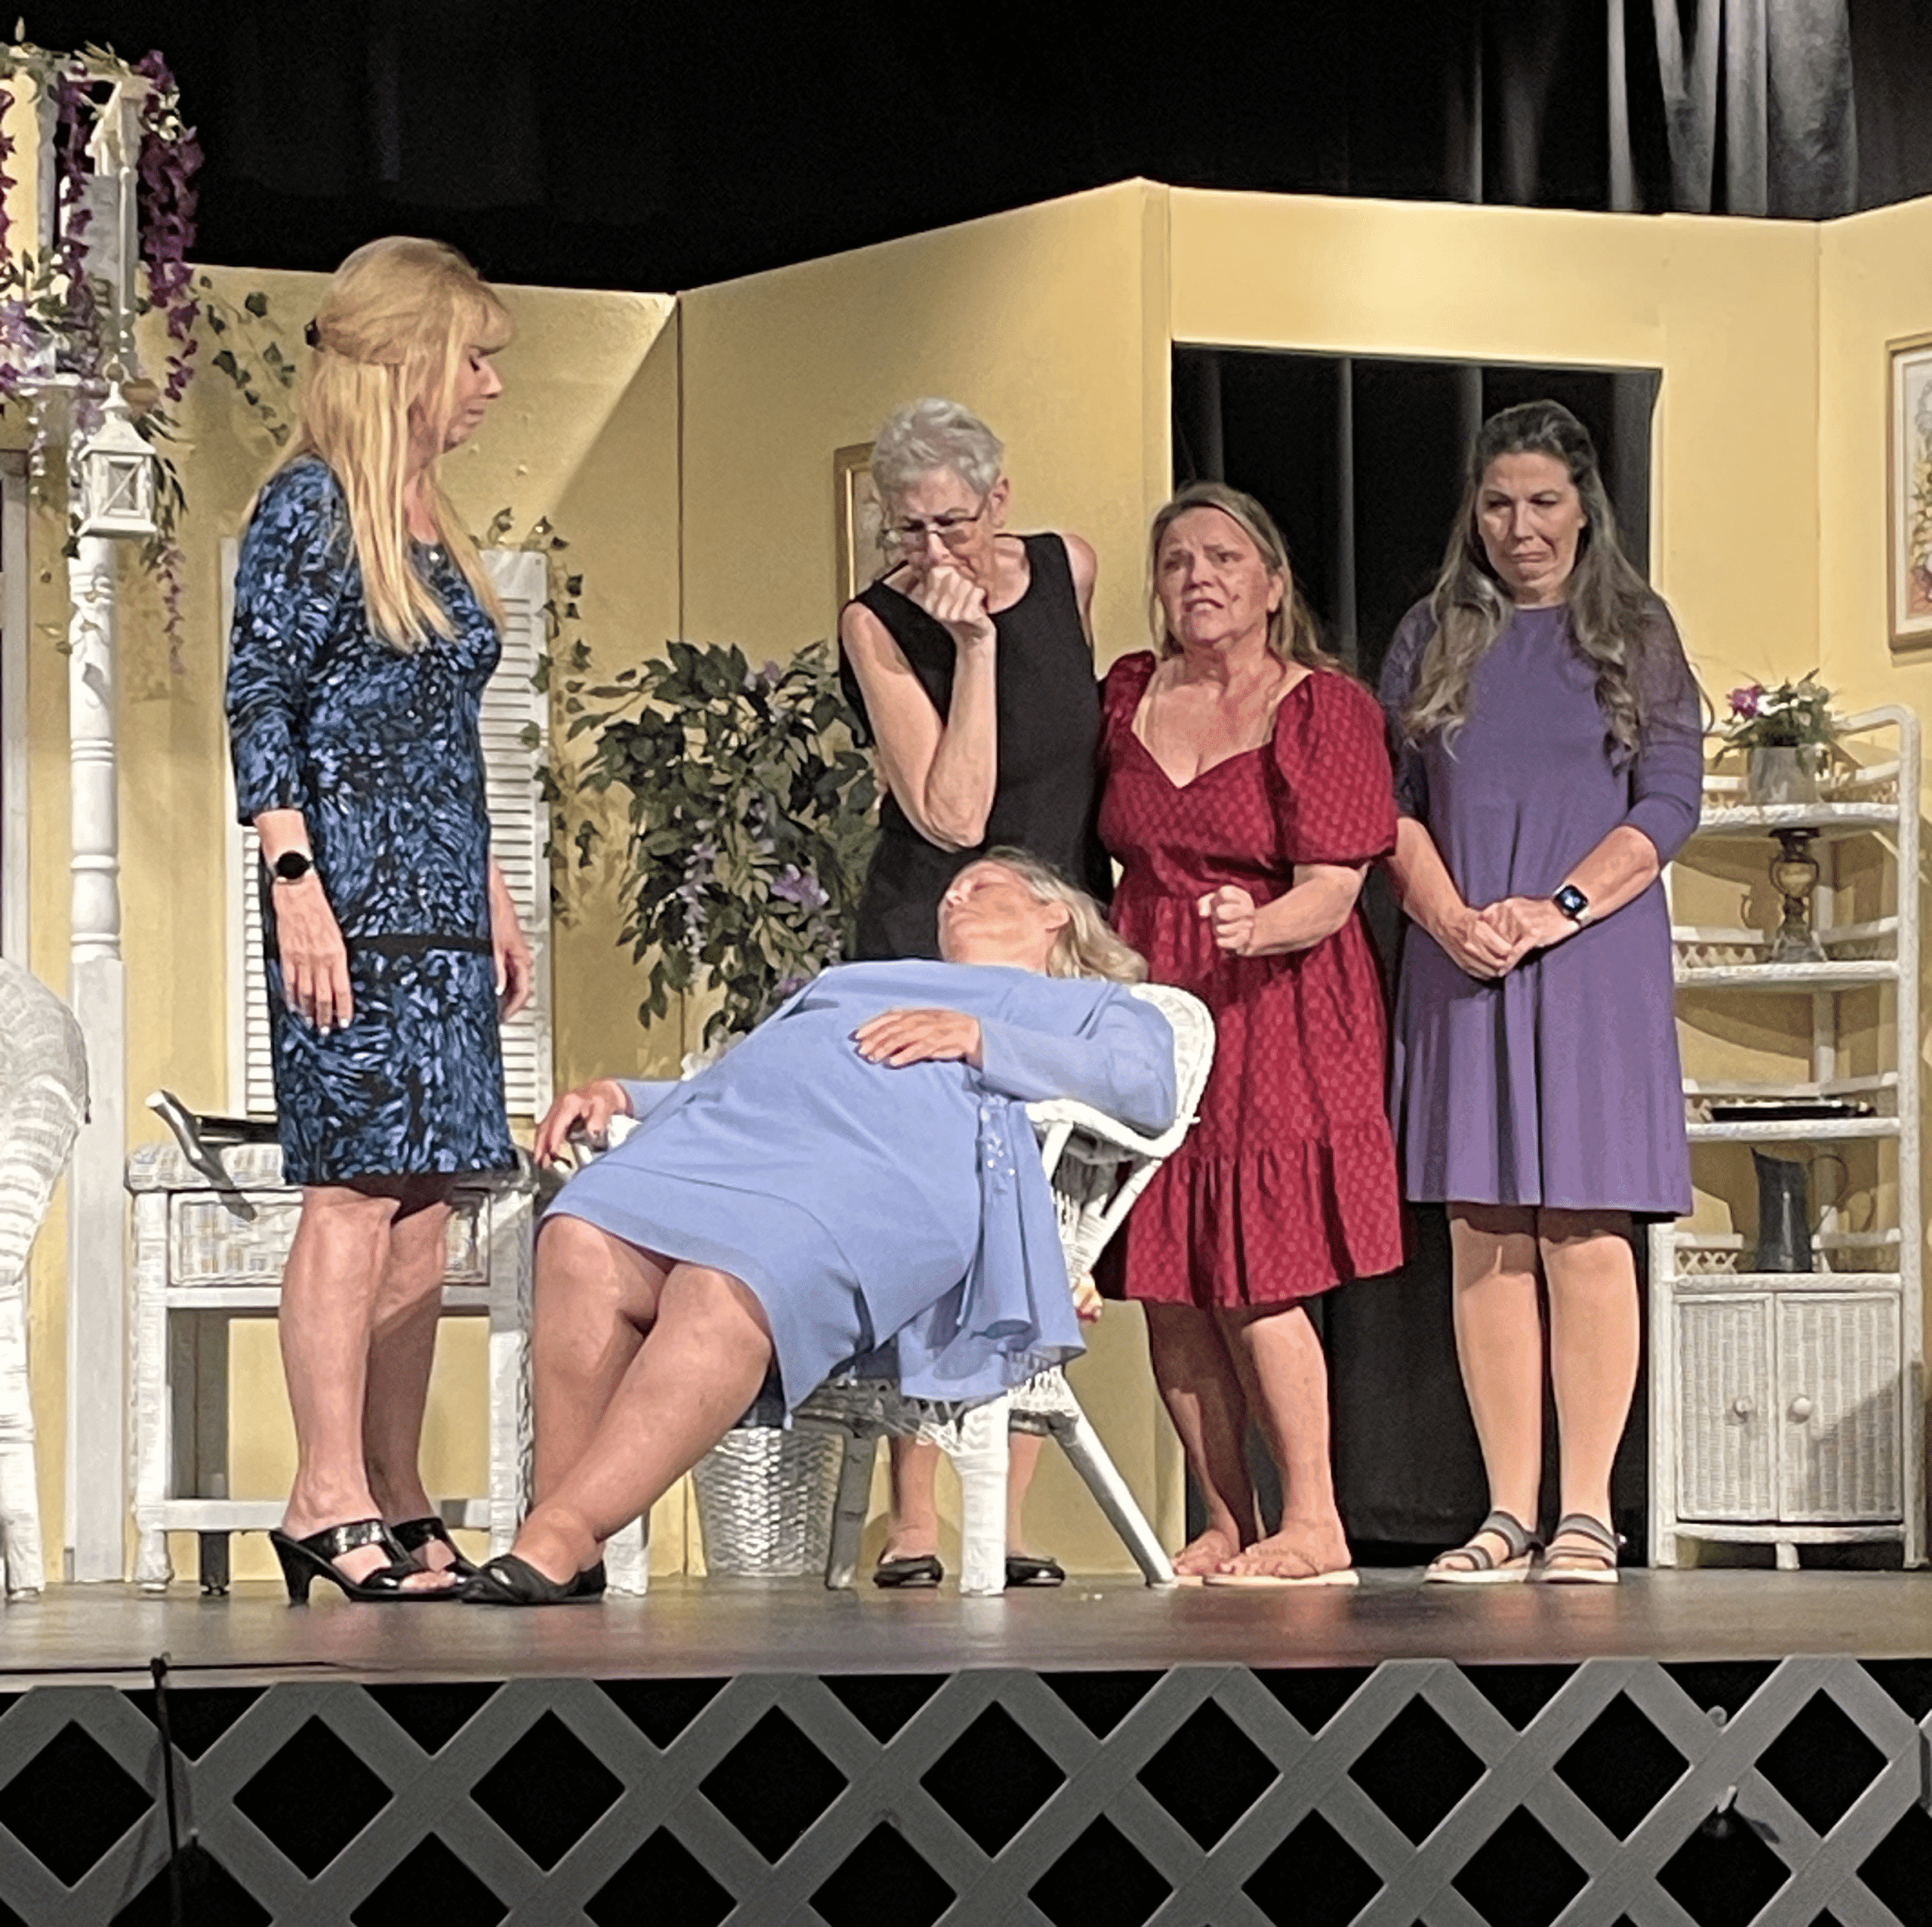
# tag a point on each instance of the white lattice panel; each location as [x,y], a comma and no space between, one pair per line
[1724,1388]
[635,1788]
[1837,1382]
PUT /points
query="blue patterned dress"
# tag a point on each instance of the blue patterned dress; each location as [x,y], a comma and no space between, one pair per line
[380,749]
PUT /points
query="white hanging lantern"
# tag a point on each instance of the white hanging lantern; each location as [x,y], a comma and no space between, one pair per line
[117,475]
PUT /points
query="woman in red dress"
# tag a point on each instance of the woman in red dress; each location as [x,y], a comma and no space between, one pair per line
[1247,788]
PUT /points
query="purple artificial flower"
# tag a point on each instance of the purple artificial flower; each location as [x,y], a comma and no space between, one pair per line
[1748,701]
[803,888]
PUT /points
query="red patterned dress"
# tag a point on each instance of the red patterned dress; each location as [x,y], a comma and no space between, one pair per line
[1287,1186]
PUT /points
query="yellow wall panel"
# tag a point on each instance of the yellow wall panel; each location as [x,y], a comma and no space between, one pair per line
[1038,319]
[1726,310]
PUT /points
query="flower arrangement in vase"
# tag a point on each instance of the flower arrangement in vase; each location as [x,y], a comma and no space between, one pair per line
[1786,730]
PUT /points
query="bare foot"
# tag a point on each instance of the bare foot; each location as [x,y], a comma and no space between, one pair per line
[1297,1553]
[1206,1554]
[909,1545]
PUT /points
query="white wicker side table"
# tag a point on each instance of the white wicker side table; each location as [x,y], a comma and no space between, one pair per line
[204,1256]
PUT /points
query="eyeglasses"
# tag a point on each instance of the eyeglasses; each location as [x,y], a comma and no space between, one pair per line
[955,531]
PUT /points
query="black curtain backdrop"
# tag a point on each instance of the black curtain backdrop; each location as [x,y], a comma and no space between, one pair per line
[661,146]
[1360,460]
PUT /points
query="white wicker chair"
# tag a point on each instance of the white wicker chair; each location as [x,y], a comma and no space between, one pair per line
[1097,1167]
[43,1098]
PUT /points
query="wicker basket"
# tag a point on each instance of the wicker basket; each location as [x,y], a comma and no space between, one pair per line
[765,1498]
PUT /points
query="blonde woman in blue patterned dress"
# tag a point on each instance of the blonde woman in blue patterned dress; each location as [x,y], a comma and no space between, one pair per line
[364,632]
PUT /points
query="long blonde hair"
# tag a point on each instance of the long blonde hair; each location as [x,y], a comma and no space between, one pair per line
[401,318]
[1086,946]
[1293,635]
[1615,615]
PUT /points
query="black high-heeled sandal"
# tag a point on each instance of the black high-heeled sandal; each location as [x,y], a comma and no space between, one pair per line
[412,1534]
[304,1561]
[507,1580]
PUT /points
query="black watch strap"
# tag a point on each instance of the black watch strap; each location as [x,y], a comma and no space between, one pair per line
[292,866]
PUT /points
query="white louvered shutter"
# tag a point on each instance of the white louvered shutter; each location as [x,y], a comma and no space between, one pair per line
[511,709]
[518,821]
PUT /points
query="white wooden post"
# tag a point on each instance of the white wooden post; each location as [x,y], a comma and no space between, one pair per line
[94,1538]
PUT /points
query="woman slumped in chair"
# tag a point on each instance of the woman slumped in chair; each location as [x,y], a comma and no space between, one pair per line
[860,1170]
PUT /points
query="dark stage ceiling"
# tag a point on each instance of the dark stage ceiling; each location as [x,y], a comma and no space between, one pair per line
[660,147]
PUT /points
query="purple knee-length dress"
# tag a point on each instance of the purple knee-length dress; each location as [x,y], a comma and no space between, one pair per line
[1559,1084]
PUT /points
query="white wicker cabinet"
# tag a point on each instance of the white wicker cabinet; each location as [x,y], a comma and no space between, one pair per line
[201,1260]
[1787,1408]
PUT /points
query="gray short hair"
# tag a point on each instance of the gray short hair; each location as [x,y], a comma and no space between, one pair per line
[931,434]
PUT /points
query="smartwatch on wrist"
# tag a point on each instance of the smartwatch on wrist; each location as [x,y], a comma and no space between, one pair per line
[292,866]
[1574,904]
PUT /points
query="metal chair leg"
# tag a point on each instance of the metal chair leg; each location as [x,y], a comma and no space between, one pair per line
[1091,1460]
[848,1517]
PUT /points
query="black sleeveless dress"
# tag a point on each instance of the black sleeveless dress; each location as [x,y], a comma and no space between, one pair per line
[1047,707]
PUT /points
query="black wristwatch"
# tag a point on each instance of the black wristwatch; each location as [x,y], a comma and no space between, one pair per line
[292,866]
[1573,903]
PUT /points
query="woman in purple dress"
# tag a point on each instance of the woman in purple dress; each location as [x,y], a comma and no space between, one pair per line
[1548,763]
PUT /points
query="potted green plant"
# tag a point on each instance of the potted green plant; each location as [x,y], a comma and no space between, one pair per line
[1786,730]
[750,821]
[750,825]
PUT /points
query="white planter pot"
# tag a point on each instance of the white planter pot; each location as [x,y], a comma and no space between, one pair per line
[765,1498]
[1785,773]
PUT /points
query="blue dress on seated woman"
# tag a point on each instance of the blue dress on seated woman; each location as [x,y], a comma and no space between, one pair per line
[864,1206]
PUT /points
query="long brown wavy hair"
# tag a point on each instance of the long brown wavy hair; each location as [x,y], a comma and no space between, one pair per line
[1614,612]
[1292,633]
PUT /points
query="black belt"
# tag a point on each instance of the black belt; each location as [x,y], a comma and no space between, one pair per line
[418,946]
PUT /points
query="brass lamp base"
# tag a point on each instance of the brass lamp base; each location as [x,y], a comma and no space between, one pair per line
[1794,876]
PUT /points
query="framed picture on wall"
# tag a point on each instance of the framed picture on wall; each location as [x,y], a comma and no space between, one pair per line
[1909,490]
[856,507]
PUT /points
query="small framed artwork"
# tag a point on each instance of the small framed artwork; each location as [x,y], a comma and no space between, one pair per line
[1908,490]
[856,508]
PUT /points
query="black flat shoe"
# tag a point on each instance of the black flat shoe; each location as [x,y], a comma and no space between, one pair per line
[304,1561]
[412,1534]
[1023,1569]
[913,1575]
[507,1580]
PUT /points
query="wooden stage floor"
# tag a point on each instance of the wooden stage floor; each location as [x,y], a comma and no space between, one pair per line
[695,1628]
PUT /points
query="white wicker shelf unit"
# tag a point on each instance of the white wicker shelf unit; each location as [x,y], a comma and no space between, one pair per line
[1787,1408]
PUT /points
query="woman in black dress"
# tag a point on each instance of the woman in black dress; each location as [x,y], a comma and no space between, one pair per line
[970,663]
